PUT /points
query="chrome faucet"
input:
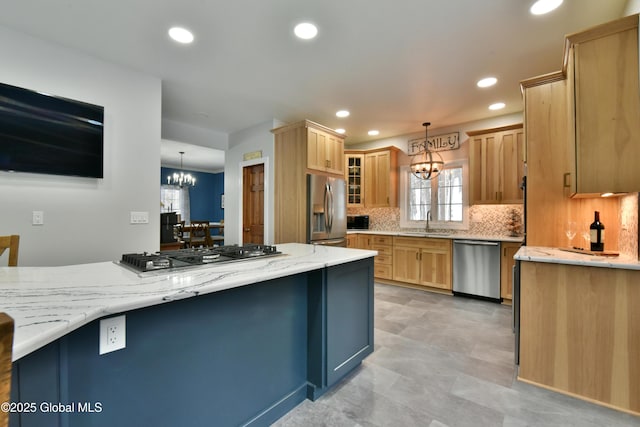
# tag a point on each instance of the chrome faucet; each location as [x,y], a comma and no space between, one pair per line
[426,228]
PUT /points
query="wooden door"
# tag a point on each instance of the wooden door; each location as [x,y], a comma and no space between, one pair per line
[335,155]
[316,149]
[512,171]
[377,168]
[484,161]
[607,113]
[506,268]
[253,204]
[435,269]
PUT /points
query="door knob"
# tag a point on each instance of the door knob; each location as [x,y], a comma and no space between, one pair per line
[247,229]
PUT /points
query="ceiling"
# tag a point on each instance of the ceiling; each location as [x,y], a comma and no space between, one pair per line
[392,64]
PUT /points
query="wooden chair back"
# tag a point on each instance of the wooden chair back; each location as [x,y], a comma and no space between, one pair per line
[11,243]
[6,349]
[200,234]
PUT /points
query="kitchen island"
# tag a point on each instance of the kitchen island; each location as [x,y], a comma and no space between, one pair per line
[580,325]
[230,344]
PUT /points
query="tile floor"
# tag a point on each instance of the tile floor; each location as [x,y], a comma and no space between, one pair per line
[444,361]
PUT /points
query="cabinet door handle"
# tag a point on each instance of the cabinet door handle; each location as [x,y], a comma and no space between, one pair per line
[566,178]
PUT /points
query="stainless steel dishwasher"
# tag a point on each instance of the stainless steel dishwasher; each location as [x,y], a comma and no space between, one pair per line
[476,268]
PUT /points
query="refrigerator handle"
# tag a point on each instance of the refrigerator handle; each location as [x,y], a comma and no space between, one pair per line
[326,206]
[330,210]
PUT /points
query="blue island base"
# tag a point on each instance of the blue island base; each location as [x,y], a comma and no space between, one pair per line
[243,356]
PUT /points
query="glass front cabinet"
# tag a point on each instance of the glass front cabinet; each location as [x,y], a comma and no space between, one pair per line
[354,168]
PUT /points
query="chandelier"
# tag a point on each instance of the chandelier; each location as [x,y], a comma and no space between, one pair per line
[426,164]
[181,178]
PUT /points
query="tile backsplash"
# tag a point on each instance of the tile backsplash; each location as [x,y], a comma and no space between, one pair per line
[628,241]
[484,220]
[493,220]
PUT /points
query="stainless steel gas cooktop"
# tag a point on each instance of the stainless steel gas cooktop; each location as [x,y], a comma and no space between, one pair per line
[196,256]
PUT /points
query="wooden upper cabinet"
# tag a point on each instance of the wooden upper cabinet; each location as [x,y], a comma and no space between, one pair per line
[372,177]
[381,178]
[496,162]
[607,107]
[325,151]
[301,148]
[354,176]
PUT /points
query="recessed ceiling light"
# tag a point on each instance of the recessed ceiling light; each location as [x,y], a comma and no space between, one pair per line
[340,130]
[343,113]
[305,30]
[181,35]
[487,81]
[373,133]
[497,106]
[544,6]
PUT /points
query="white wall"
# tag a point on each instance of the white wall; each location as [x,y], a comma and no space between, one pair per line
[85,220]
[402,141]
[187,133]
[632,6]
[258,137]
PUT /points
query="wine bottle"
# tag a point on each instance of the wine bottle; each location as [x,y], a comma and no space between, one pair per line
[596,230]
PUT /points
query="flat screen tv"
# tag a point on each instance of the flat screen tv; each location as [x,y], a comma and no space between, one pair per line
[41,133]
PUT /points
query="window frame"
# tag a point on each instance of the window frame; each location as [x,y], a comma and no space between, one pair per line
[405,181]
[182,209]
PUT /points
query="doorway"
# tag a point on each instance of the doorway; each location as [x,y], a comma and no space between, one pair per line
[253,204]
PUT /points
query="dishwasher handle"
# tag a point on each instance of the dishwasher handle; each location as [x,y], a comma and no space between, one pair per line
[476,243]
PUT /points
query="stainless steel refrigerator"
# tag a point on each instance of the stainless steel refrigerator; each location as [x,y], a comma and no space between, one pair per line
[326,210]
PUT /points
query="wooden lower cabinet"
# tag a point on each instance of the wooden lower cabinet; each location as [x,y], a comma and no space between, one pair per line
[383,262]
[352,240]
[423,261]
[580,332]
[507,262]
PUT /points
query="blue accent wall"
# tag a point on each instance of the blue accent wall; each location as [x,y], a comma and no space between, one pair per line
[205,197]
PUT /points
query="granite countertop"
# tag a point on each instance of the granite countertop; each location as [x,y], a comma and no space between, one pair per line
[47,303]
[441,235]
[557,256]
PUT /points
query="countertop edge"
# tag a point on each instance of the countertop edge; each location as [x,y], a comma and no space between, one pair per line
[296,259]
[453,236]
[557,256]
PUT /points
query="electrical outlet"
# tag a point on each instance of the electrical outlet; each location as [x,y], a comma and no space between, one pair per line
[113,334]
[37,218]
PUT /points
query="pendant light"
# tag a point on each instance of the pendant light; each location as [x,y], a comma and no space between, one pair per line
[426,164]
[181,178]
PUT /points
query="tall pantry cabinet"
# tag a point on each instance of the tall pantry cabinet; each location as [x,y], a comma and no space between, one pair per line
[301,148]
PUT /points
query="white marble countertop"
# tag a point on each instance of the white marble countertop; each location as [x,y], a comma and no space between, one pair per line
[441,235]
[557,256]
[47,303]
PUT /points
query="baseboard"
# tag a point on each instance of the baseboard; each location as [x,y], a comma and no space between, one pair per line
[279,408]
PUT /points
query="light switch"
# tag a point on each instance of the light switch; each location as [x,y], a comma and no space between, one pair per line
[139,217]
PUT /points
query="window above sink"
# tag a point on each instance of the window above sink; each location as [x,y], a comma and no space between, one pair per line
[445,198]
